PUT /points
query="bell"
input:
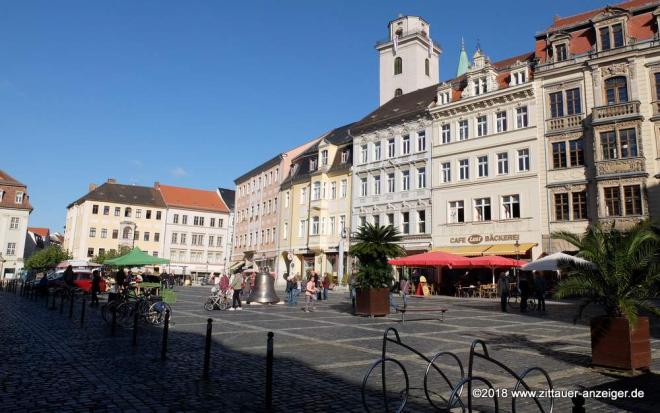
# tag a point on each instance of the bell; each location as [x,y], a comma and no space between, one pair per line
[264,290]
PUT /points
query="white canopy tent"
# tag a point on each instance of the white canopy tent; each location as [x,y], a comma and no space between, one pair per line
[552,262]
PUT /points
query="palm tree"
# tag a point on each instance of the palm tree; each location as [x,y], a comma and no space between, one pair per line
[625,274]
[375,245]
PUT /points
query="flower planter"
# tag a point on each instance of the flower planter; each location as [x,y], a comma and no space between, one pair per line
[615,344]
[372,301]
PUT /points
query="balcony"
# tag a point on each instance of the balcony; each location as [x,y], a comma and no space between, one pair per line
[564,123]
[609,113]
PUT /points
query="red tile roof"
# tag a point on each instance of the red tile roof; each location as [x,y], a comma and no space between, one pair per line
[200,199]
[43,232]
[584,17]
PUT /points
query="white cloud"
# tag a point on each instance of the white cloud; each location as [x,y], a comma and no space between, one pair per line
[179,172]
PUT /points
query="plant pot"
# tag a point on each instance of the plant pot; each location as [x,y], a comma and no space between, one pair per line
[372,301]
[615,344]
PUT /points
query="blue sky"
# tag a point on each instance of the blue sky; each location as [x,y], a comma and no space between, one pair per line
[195,93]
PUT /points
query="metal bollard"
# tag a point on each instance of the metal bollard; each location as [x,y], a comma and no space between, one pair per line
[578,404]
[72,298]
[166,328]
[82,312]
[113,325]
[207,349]
[136,315]
[62,304]
[269,372]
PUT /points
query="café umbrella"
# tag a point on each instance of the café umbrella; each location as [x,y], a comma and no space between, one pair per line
[554,262]
[135,258]
[495,261]
[432,259]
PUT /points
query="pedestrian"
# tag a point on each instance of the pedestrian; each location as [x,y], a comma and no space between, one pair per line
[120,279]
[540,288]
[69,277]
[295,292]
[525,289]
[289,290]
[129,278]
[404,289]
[503,290]
[326,285]
[223,283]
[310,292]
[96,288]
[317,284]
[237,284]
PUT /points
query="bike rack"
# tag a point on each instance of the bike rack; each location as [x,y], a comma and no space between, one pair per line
[455,399]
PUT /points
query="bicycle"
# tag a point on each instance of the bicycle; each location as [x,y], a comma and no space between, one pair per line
[150,309]
[126,295]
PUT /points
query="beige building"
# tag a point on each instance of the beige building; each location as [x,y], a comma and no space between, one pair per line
[113,216]
[15,211]
[315,204]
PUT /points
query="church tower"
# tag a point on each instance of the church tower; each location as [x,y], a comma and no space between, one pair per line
[463,62]
[409,60]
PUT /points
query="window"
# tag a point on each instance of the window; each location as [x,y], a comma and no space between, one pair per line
[127,212]
[421,178]
[577,152]
[303,195]
[95,209]
[462,130]
[579,205]
[301,228]
[196,221]
[482,209]
[19,197]
[148,214]
[521,117]
[482,163]
[398,66]
[104,233]
[390,183]
[183,239]
[342,223]
[405,180]
[617,35]
[573,105]
[616,90]
[343,188]
[15,221]
[376,185]
[136,235]
[92,232]
[363,220]
[312,164]
[446,171]
[287,197]
[482,126]
[605,38]
[212,221]
[398,92]
[502,163]
[90,252]
[333,225]
[421,141]
[377,151]
[560,52]
[500,118]
[561,207]
[158,215]
[456,212]
[612,201]
[657,97]
[391,148]
[11,249]
[523,160]
[316,191]
[389,219]
[510,206]
[559,155]
[405,222]
[463,169]
[127,233]
[376,220]
[556,105]
[115,233]
[427,69]
[363,186]
[324,157]
[344,155]
[175,219]
[138,213]
[632,195]
[117,211]
[405,145]
[286,230]
[421,222]
[364,153]
[333,190]
[156,236]
[106,210]
[446,133]
[146,236]
[608,145]
[221,222]
[628,140]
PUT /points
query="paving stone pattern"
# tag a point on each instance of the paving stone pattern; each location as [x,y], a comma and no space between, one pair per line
[50,363]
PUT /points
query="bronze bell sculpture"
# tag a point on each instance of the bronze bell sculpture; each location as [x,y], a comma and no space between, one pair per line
[264,290]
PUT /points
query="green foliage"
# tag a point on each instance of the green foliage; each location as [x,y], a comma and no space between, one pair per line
[626,273]
[99,259]
[374,246]
[47,258]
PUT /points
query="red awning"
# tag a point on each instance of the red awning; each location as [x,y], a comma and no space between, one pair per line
[432,259]
[495,261]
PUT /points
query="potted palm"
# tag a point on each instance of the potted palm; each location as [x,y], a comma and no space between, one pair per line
[374,245]
[622,279]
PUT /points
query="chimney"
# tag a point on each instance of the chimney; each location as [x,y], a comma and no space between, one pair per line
[112,181]
[157,185]
[91,187]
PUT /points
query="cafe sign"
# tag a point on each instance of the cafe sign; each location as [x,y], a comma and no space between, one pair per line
[475,239]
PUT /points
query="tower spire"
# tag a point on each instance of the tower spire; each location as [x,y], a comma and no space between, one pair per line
[463,62]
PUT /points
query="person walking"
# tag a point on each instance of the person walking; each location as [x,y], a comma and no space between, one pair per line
[503,290]
[295,292]
[540,289]
[120,279]
[325,283]
[310,292]
[237,284]
[69,277]
[96,288]
[289,290]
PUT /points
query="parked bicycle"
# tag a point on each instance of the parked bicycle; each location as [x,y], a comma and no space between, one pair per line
[150,308]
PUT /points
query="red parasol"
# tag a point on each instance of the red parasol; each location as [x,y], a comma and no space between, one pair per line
[432,259]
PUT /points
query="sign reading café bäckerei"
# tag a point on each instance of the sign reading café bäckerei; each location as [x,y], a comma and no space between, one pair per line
[478,239]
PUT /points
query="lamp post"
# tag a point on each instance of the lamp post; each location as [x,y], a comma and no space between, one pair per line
[340,267]
[517,245]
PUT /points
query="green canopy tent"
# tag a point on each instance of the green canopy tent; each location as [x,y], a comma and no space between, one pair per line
[135,258]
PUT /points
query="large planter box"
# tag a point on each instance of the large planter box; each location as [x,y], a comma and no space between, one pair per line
[615,344]
[372,301]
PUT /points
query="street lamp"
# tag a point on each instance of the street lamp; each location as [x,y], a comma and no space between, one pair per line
[340,267]
[517,245]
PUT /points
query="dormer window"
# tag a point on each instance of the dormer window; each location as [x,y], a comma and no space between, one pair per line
[344,156]
[19,197]
[610,28]
[312,165]
[324,157]
[398,92]
[480,86]
[518,77]
[561,52]
[444,98]
[611,36]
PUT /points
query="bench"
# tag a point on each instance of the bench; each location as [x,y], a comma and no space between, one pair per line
[405,310]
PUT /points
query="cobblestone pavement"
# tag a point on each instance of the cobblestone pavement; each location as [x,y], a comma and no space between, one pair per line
[51,363]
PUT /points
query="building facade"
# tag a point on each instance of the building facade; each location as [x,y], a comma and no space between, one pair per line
[228,198]
[197,228]
[315,202]
[36,239]
[116,217]
[15,211]
[598,83]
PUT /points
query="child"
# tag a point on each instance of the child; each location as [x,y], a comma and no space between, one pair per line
[310,293]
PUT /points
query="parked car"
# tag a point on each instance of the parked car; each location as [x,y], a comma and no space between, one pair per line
[82,280]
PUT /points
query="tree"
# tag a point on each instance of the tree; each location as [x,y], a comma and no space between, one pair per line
[47,258]
[106,255]
[375,245]
[625,274]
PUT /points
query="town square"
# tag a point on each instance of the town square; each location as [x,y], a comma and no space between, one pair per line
[330,206]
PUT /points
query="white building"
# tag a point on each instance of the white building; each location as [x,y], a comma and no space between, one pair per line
[15,210]
[228,196]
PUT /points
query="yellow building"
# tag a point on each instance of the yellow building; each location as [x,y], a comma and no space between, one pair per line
[316,206]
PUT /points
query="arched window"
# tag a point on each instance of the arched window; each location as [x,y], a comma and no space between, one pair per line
[398,92]
[427,70]
[398,66]
[127,212]
[127,234]
[616,90]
